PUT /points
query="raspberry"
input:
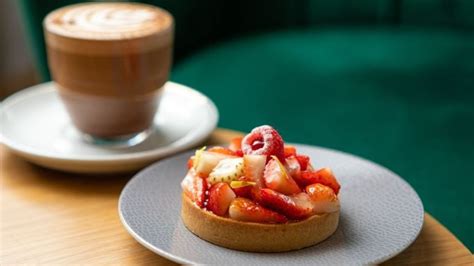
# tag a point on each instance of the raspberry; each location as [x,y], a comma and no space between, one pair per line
[264,140]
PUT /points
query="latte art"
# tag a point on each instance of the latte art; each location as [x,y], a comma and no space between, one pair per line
[107,21]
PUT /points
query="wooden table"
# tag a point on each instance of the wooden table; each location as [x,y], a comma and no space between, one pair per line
[53,217]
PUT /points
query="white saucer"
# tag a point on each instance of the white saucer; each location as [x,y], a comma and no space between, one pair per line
[34,124]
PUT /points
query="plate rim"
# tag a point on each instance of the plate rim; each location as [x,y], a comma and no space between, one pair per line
[177,259]
[147,245]
[191,138]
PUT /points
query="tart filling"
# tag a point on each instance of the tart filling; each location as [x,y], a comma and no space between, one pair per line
[259,194]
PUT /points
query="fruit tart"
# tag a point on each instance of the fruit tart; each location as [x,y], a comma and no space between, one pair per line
[259,194]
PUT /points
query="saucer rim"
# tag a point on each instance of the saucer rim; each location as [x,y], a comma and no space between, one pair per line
[190,139]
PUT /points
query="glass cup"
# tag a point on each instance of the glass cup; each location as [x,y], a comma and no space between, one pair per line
[110,62]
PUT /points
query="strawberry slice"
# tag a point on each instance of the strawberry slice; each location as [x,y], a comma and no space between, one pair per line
[205,161]
[277,178]
[243,192]
[255,193]
[323,176]
[323,198]
[227,170]
[222,150]
[220,197]
[187,183]
[296,207]
[199,191]
[293,167]
[235,144]
[242,188]
[194,187]
[248,211]
[303,160]
[190,162]
[289,151]
[254,165]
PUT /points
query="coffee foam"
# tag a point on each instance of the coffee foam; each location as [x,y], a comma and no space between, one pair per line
[108,21]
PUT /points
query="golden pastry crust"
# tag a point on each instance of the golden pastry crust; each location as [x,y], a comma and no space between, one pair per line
[257,237]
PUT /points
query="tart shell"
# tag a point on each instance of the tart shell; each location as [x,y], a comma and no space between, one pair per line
[257,237]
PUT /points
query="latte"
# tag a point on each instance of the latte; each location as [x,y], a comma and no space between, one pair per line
[110,62]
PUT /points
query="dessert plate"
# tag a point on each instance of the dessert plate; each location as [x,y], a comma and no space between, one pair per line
[381,215]
[34,124]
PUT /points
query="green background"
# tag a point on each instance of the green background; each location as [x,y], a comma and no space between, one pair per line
[391,81]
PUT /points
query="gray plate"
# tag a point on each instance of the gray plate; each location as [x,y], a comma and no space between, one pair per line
[381,215]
